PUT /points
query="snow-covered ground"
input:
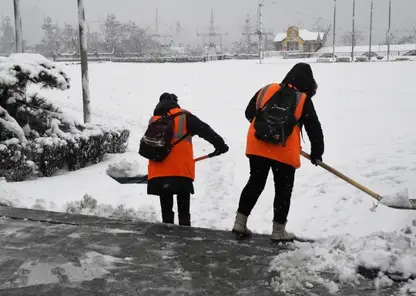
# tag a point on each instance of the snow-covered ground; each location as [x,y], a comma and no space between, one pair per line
[366,111]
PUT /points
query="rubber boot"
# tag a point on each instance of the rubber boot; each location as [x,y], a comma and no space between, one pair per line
[280,234]
[240,226]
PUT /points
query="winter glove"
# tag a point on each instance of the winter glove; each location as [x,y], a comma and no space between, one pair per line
[221,150]
[315,158]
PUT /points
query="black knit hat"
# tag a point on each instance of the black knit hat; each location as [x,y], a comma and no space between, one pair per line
[168,97]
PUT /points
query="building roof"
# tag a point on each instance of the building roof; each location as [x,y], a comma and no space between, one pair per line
[305,35]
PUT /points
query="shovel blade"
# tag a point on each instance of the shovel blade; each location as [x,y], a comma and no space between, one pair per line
[411,206]
[399,201]
[141,179]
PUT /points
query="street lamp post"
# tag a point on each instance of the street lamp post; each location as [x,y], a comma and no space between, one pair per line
[353,30]
[260,30]
[334,33]
[371,25]
[389,33]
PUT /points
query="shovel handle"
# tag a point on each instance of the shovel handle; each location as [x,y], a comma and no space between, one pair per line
[205,157]
[202,158]
[344,177]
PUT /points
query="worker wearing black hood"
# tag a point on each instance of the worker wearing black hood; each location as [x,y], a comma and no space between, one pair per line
[283,160]
[175,174]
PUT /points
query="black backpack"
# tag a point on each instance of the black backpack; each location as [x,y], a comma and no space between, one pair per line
[156,143]
[275,122]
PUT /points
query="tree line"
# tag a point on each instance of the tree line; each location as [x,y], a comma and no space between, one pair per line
[114,36]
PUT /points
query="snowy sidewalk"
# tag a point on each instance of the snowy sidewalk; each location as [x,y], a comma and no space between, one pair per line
[85,255]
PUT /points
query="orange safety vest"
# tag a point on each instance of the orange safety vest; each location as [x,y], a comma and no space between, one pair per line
[290,154]
[180,161]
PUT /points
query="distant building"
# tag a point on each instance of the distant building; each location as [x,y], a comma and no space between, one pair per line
[298,40]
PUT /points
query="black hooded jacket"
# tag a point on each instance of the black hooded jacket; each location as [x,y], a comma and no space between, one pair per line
[173,184]
[301,76]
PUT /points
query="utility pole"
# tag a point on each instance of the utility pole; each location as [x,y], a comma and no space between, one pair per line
[260,29]
[158,35]
[389,33]
[248,46]
[18,26]
[353,30]
[212,35]
[371,25]
[333,33]
[247,30]
[84,61]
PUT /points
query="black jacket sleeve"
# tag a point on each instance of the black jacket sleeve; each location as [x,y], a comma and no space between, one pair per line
[251,108]
[201,129]
[313,128]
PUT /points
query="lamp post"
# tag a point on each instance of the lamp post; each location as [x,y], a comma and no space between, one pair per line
[333,33]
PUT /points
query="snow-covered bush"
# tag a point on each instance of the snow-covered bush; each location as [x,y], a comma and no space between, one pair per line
[37,138]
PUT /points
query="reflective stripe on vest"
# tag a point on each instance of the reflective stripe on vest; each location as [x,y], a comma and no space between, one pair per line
[181,127]
[261,96]
[181,130]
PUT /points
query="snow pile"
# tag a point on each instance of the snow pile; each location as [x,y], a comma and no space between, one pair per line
[89,206]
[124,169]
[400,200]
[339,259]
[409,288]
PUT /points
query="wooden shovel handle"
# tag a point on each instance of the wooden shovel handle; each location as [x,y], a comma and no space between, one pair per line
[344,177]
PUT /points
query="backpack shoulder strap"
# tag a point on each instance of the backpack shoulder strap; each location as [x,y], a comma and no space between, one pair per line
[265,94]
[167,114]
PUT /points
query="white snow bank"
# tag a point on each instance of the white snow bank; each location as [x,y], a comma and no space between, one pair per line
[89,206]
[30,57]
[339,257]
[124,168]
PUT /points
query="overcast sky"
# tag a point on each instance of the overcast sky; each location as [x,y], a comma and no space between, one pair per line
[194,15]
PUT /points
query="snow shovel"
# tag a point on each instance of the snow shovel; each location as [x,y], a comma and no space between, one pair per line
[142,179]
[401,203]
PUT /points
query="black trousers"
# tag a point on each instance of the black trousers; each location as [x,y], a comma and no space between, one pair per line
[284,177]
[183,201]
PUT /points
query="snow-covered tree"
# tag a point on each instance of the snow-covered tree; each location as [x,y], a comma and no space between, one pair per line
[114,32]
[70,38]
[95,42]
[136,40]
[51,42]
[6,36]
[348,39]
[320,26]
[36,135]
[399,40]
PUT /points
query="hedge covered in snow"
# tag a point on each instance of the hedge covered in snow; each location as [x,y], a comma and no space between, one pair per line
[36,138]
